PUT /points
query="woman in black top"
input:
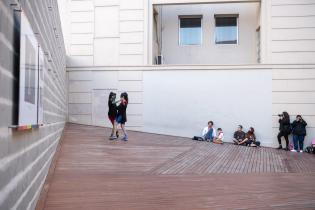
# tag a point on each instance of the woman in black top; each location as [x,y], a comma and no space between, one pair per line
[250,138]
[122,115]
[112,112]
[284,129]
[299,133]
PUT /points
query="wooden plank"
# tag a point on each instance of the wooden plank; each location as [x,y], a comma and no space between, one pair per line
[165,172]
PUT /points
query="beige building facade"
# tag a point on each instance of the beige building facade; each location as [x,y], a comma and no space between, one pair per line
[230,61]
[113,45]
[117,46]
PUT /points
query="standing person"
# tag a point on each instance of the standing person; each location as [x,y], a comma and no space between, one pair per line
[299,133]
[112,113]
[284,129]
[122,115]
[208,132]
[250,138]
[239,135]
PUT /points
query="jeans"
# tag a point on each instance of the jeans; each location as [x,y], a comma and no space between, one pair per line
[209,135]
[298,142]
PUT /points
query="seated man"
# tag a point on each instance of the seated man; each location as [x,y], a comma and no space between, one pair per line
[239,135]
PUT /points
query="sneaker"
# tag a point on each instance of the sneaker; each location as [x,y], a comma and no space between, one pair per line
[293,150]
[112,138]
[125,138]
[301,151]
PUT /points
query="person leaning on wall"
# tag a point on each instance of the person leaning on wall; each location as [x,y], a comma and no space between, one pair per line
[299,133]
[284,129]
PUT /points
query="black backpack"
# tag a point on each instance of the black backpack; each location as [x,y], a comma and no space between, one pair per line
[310,149]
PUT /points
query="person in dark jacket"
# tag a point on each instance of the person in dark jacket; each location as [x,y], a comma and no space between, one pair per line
[284,129]
[112,112]
[239,135]
[122,115]
[299,133]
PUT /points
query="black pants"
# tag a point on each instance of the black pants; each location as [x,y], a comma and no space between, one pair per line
[285,135]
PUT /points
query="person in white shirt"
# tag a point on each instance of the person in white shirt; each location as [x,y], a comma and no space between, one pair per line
[209,132]
[219,139]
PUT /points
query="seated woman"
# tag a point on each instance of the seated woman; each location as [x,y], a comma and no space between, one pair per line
[250,138]
[219,138]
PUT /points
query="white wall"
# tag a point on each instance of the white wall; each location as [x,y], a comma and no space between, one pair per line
[245,52]
[182,102]
[106,33]
[173,99]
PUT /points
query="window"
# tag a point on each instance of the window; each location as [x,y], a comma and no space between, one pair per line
[226,30]
[190,30]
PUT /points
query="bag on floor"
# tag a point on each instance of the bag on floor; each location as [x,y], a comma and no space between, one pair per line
[310,149]
[257,143]
[197,138]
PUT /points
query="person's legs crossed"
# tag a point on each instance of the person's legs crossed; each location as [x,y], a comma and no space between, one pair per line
[209,135]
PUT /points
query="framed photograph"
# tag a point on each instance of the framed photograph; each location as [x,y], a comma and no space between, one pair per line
[29,76]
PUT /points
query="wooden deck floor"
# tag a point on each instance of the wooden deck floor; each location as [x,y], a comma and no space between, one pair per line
[163,172]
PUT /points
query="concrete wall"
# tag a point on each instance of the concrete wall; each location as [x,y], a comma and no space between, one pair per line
[293,90]
[292,31]
[105,33]
[245,52]
[176,100]
[182,102]
[25,156]
[291,40]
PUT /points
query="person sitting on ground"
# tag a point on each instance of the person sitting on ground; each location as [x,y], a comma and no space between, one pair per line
[239,135]
[220,137]
[208,133]
[250,138]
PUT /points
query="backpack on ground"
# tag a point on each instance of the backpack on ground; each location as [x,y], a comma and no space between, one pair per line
[310,149]
[197,138]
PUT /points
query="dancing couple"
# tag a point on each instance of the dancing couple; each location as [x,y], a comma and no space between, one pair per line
[117,114]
